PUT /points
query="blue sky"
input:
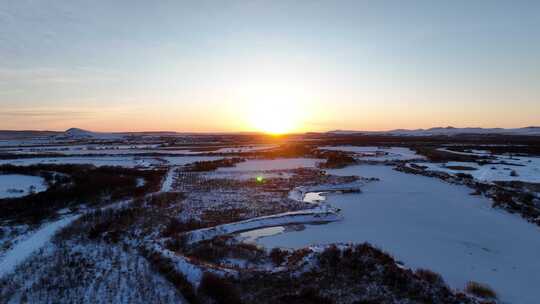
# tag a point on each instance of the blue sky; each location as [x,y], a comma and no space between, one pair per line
[202,65]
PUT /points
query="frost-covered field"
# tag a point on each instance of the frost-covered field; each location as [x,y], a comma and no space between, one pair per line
[25,248]
[98,273]
[499,168]
[17,185]
[184,160]
[528,172]
[122,161]
[378,153]
[273,164]
[250,175]
[83,149]
[130,149]
[427,223]
[242,149]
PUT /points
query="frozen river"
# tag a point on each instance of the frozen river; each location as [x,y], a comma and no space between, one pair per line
[427,223]
[17,185]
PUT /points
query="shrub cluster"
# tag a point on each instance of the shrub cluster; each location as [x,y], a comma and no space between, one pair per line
[166,268]
[211,165]
[480,290]
[75,185]
[219,289]
[336,160]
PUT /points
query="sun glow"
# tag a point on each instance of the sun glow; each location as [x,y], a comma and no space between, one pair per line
[275,115]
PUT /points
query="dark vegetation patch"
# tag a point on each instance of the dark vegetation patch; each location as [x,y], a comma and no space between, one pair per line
[461,168]
[211,165]
[429,276]
[76,185]
[464,175]
[306,296]
[336,159]
[164,199]
[110,226]
[278,256]
[219,289]
[166,267]
[214,217]
[132,222]
[287,151]
[217,249]
[480,290]
[173,232]
[175,227]
[351,274]
[519,185]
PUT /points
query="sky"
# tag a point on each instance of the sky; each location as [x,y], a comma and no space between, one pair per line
[276,66]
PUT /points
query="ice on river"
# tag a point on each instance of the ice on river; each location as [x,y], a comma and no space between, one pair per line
[17,185]
[428,223]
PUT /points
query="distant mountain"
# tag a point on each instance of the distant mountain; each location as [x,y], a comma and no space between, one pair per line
[448,131]
[76,133]
[82,134]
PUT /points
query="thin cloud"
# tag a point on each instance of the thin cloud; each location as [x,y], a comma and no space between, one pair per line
[43,114]
[56,75]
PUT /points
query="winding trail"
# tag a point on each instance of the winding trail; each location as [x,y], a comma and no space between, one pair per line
[22,250]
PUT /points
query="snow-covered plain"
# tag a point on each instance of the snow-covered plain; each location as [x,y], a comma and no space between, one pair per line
[184,160]
[22,250]
[377,153]
[242,149]
[122,161]
[273,164]
[504,167]
[127,149]
[243,176]
[17,185]
[530,172]
[427,223]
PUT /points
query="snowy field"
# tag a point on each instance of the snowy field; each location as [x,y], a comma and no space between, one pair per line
[17,185]
[530,172]
[242,149]
[273,164]
[25,248]
[244,176]
[469,152]
[82,149]
[184,160]
[504,167]
[427,223]
[122,161]
[126,161]
[129,149]
[378,153]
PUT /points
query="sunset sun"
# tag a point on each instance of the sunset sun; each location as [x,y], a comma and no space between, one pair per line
[275,116]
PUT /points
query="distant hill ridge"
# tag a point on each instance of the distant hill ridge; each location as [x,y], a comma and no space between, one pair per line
[449,131]
[78,133]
